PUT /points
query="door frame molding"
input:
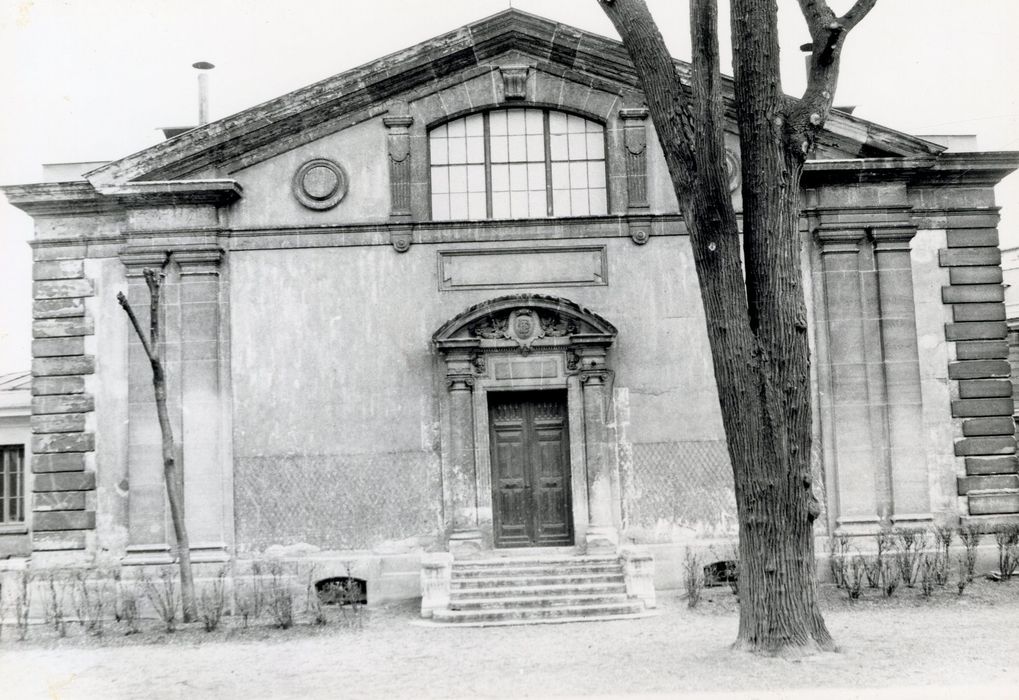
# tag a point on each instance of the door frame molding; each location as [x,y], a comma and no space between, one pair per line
[524,342]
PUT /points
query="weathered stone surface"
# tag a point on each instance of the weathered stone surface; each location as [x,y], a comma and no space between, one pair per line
[58,541]
[972,237]
[980,483]
[63,442]
[59,366]
[975,275]
[64,481]
[58,269]
[58,462]
[63,289]
[984,388]
[981,350]
[992,465]
[972,293]
[58,347]
[994,503]
[1004,425]
[58,308]
[977,330]
[978,312]
[985,446]
[57,328]
[63,520]
[62,403]
[978,369]
[963,408]
[969,256]
[58,423]
[42,386]
[58,500]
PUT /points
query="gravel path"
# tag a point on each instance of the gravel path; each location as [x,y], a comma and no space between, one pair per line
[907,647]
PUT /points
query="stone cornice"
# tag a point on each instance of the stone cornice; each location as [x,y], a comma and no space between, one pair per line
[57,199]
[987,168]
[81,198]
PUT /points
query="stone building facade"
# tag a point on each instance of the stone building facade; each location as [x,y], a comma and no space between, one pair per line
[445,302]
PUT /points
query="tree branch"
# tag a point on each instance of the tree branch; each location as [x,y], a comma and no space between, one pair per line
[154,280]
[708,108]
[137,326]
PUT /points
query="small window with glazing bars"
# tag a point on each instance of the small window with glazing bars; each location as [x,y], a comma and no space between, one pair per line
[517,164]
[12,484]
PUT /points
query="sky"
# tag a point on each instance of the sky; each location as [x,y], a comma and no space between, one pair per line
[87,80]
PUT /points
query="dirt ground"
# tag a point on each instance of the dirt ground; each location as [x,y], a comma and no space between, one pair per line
[903,647]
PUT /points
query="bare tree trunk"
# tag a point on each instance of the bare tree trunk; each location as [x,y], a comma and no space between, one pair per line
[172,475]
[757,328]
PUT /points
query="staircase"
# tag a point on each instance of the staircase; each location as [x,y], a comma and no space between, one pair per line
[521,590]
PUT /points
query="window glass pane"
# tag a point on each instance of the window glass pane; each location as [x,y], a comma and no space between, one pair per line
[515,121]
[497,123]
[594,127]
[457,151]
[438,151]
[599,204]
[517,148]
[476,204]
[500,205]
[560,176]
[595,173]
[578,176]
[561,203]
[557,147]
[456,128]
[475,125]
[578,147]
[458,206]
[439,132]
[518,177]
[535,147]
[440,180]
[440,207]
[556,123]
[500,178]
[595,145]
[457,179]
[574,124]
[536,176]
[475,149]
[500,152]
[475,178]
[534,122]
[578,202]
[537,203]
[518,204]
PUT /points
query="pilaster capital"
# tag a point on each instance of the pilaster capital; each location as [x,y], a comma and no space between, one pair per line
[838,239]
[460,382]
[594,377]
[199,261]
[893,237]
[397,121]
[136,260]
[633,113]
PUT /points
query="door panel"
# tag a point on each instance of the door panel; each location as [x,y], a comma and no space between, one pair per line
[530,469]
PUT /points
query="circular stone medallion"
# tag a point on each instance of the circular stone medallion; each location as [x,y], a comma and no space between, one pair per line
[320,184]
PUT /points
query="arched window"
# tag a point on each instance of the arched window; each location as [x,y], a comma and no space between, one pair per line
[517,164]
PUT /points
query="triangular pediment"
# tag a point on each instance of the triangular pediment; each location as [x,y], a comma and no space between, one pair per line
[370,90]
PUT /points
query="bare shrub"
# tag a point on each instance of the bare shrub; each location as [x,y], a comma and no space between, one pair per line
[249,596]
[857,573]
[55,609]
[127,605]
[1007,539]
[910,543]
[889,578]
[162,593]
[212,602]
[964,577]
[838,552]
[281,597]
[872,569]
[927,565]
[92,600]
[693,578]
[22,604]
[314,603]
[943,538]
[3,611]
[970,535]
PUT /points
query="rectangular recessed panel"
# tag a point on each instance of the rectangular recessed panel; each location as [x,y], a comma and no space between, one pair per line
[511,268]
[525,369]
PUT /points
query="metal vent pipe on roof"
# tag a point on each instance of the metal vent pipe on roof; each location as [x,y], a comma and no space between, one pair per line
[203,90]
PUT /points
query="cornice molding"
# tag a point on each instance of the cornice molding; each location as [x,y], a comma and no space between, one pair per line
[82,198]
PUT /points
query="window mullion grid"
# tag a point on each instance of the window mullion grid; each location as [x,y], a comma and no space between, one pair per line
[487,130]
[548,163]
[5,498]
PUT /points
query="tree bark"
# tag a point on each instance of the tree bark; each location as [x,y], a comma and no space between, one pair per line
[172,475]
[757,327]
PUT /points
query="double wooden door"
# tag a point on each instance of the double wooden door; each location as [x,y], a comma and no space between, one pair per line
[530,469]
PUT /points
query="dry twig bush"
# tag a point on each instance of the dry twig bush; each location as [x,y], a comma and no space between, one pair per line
[970,535]
[693,578]
[162,594]
[281,597]
[212,602]
[22,604]
[1007,539]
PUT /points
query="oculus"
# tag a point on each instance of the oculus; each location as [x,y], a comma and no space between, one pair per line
[320,184]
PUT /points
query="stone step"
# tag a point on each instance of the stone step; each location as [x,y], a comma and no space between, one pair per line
[546,601]
[578,612]
[537,591]
[526,580]
[566,569]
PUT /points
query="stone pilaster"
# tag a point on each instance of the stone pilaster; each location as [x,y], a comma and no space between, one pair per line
[910,490]
[857,478]
[148,539]
[398,148]
[635,156]
[207,478]
[63,438]
[465,535]
[602,535]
